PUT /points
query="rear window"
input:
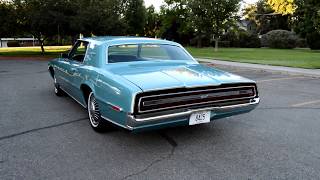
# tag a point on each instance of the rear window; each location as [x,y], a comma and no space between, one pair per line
[146,52]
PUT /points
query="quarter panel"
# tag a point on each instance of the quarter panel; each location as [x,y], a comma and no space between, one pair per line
[113,90]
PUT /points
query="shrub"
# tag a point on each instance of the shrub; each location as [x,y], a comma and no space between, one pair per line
[313,40]
[302,43]
[248,40]
[13,44]
[241,39]
[280,39]
[204,41]
[222,44]
[264,41]
[232,38]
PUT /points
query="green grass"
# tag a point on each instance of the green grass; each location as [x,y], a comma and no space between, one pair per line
[302,58]
[50,51]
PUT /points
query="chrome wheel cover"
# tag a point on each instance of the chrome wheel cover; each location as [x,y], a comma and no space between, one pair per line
[93,110]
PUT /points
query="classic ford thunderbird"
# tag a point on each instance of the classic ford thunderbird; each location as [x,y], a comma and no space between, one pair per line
[142,84]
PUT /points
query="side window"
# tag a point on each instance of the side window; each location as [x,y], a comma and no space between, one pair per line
[78,51]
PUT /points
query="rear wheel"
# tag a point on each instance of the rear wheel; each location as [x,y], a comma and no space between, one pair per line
[97,123]
[57,90]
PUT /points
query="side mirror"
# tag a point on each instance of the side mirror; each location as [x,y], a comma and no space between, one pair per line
[64,55]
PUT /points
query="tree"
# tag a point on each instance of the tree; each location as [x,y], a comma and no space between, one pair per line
[94,17]
[284,7]
[42,19]
[151,28]
[266,18]
[48,18]
[307,17]
[250,12]
[210,17]
[8,20]
[135,16]
[307,21]
[175,24]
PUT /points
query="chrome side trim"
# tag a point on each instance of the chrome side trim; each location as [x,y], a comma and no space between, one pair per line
[73,98]
[126,127]
[238,87]
[189,112]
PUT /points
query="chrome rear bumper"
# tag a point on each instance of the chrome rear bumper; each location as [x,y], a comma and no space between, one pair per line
[132,121]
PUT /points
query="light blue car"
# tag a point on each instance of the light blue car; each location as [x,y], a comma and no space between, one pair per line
[144,84]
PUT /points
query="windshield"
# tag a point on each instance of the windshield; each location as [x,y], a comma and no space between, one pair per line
[146,52]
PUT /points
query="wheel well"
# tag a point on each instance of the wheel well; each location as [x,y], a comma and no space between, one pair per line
[86,90]
[51,71]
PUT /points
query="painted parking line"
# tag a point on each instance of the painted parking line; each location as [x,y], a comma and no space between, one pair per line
[280,79]
[306,103]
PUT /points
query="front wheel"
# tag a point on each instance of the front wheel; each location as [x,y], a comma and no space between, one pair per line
[97,123]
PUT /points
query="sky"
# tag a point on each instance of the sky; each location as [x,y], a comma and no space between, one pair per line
[158,3]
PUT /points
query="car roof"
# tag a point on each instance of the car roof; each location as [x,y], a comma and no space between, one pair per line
[118,40]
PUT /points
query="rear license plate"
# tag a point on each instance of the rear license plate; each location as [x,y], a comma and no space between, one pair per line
[199,117]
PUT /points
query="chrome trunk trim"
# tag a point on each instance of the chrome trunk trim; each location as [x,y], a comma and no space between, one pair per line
[207,90]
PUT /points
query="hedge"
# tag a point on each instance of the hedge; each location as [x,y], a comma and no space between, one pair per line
[280,39]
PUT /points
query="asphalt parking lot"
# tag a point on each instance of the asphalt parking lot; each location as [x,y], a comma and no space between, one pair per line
[46,137]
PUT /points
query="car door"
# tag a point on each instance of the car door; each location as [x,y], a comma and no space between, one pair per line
[60,72]
[75,77]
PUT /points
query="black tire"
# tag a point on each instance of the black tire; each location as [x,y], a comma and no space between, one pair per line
[95,119]
[57,90]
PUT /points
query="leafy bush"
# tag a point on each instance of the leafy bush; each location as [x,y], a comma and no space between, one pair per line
[248,40]
[203,42]
[241,39]
[313,40]
[302,43]
[264,41]
[280,39]
[232,38]
[13,44]
[223,44]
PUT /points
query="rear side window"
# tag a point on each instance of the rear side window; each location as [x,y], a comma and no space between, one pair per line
[146,52]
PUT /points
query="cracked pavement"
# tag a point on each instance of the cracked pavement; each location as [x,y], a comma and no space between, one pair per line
[46,137]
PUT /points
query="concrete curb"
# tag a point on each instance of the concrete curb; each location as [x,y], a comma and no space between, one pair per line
[287,70]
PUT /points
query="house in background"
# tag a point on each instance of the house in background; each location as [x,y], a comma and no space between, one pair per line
[247,25]
[19,41]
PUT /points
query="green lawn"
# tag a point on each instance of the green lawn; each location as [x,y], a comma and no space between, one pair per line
[50,51]
[303,58]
